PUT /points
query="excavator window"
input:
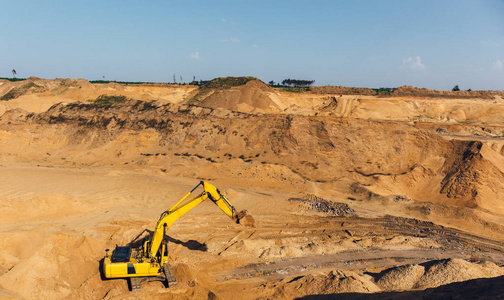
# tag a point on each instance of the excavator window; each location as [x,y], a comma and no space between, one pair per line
[121,254]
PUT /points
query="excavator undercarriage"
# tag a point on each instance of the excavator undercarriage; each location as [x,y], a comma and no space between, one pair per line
[167,277]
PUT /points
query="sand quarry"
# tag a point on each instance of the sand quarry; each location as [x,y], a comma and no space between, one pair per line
[354,196]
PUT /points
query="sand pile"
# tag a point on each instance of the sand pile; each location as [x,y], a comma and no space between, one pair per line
[335,282]
[455,270]
[31,86]
[472,176]
[434,274]
[67,256]
[253,96]
[429,275]
[400,278]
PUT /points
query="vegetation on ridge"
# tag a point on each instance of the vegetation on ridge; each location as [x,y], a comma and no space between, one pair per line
[109,100]
[21,90]
[12,79]
[228,82]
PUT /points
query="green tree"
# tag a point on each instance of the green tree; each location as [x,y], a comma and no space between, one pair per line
[456,88]
[14,73]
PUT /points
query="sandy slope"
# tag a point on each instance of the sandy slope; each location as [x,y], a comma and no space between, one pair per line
[420,180]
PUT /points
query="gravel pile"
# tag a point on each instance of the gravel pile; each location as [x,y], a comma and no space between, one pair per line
[325,206]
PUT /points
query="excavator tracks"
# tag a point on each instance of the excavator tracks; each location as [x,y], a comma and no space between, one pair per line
[168,278]
[135,283]
[171,281]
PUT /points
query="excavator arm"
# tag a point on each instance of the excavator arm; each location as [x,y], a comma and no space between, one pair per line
[181,208]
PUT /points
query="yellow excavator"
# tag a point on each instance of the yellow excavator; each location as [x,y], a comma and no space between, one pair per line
[150,261]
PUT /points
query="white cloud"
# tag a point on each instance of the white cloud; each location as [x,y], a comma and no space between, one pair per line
[234,40]
[195,55]
[224,20]
[412,63]
[497,65]
[255,46]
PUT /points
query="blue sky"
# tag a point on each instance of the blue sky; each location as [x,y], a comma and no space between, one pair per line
[432,44]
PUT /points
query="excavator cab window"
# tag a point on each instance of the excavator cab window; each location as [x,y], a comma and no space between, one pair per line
[121,254]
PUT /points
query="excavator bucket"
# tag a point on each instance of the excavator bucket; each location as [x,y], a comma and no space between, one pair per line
[245,218]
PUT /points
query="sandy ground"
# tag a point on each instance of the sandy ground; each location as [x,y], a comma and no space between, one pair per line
[56,234]
[352,196]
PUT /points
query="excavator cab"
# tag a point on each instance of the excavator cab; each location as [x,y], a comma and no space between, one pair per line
[121,254]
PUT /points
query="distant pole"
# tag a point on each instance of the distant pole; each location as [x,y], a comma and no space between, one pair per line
[174,78]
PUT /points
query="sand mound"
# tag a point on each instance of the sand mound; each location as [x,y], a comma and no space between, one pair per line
[400,278]
[454,270]
[28,87]
[13,116]
[434,274]
[253,96]
[394,279]
[471,176]
[348,282]
[336,282]
[184,275]
[70,258]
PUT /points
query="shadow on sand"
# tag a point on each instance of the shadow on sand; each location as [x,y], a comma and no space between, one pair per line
[482,288]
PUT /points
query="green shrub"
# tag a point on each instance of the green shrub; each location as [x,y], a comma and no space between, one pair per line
[295,89]
[10,95]
[108,100]
[21,90]
[227,82]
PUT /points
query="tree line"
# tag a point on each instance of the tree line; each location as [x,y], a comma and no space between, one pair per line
[297,82]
